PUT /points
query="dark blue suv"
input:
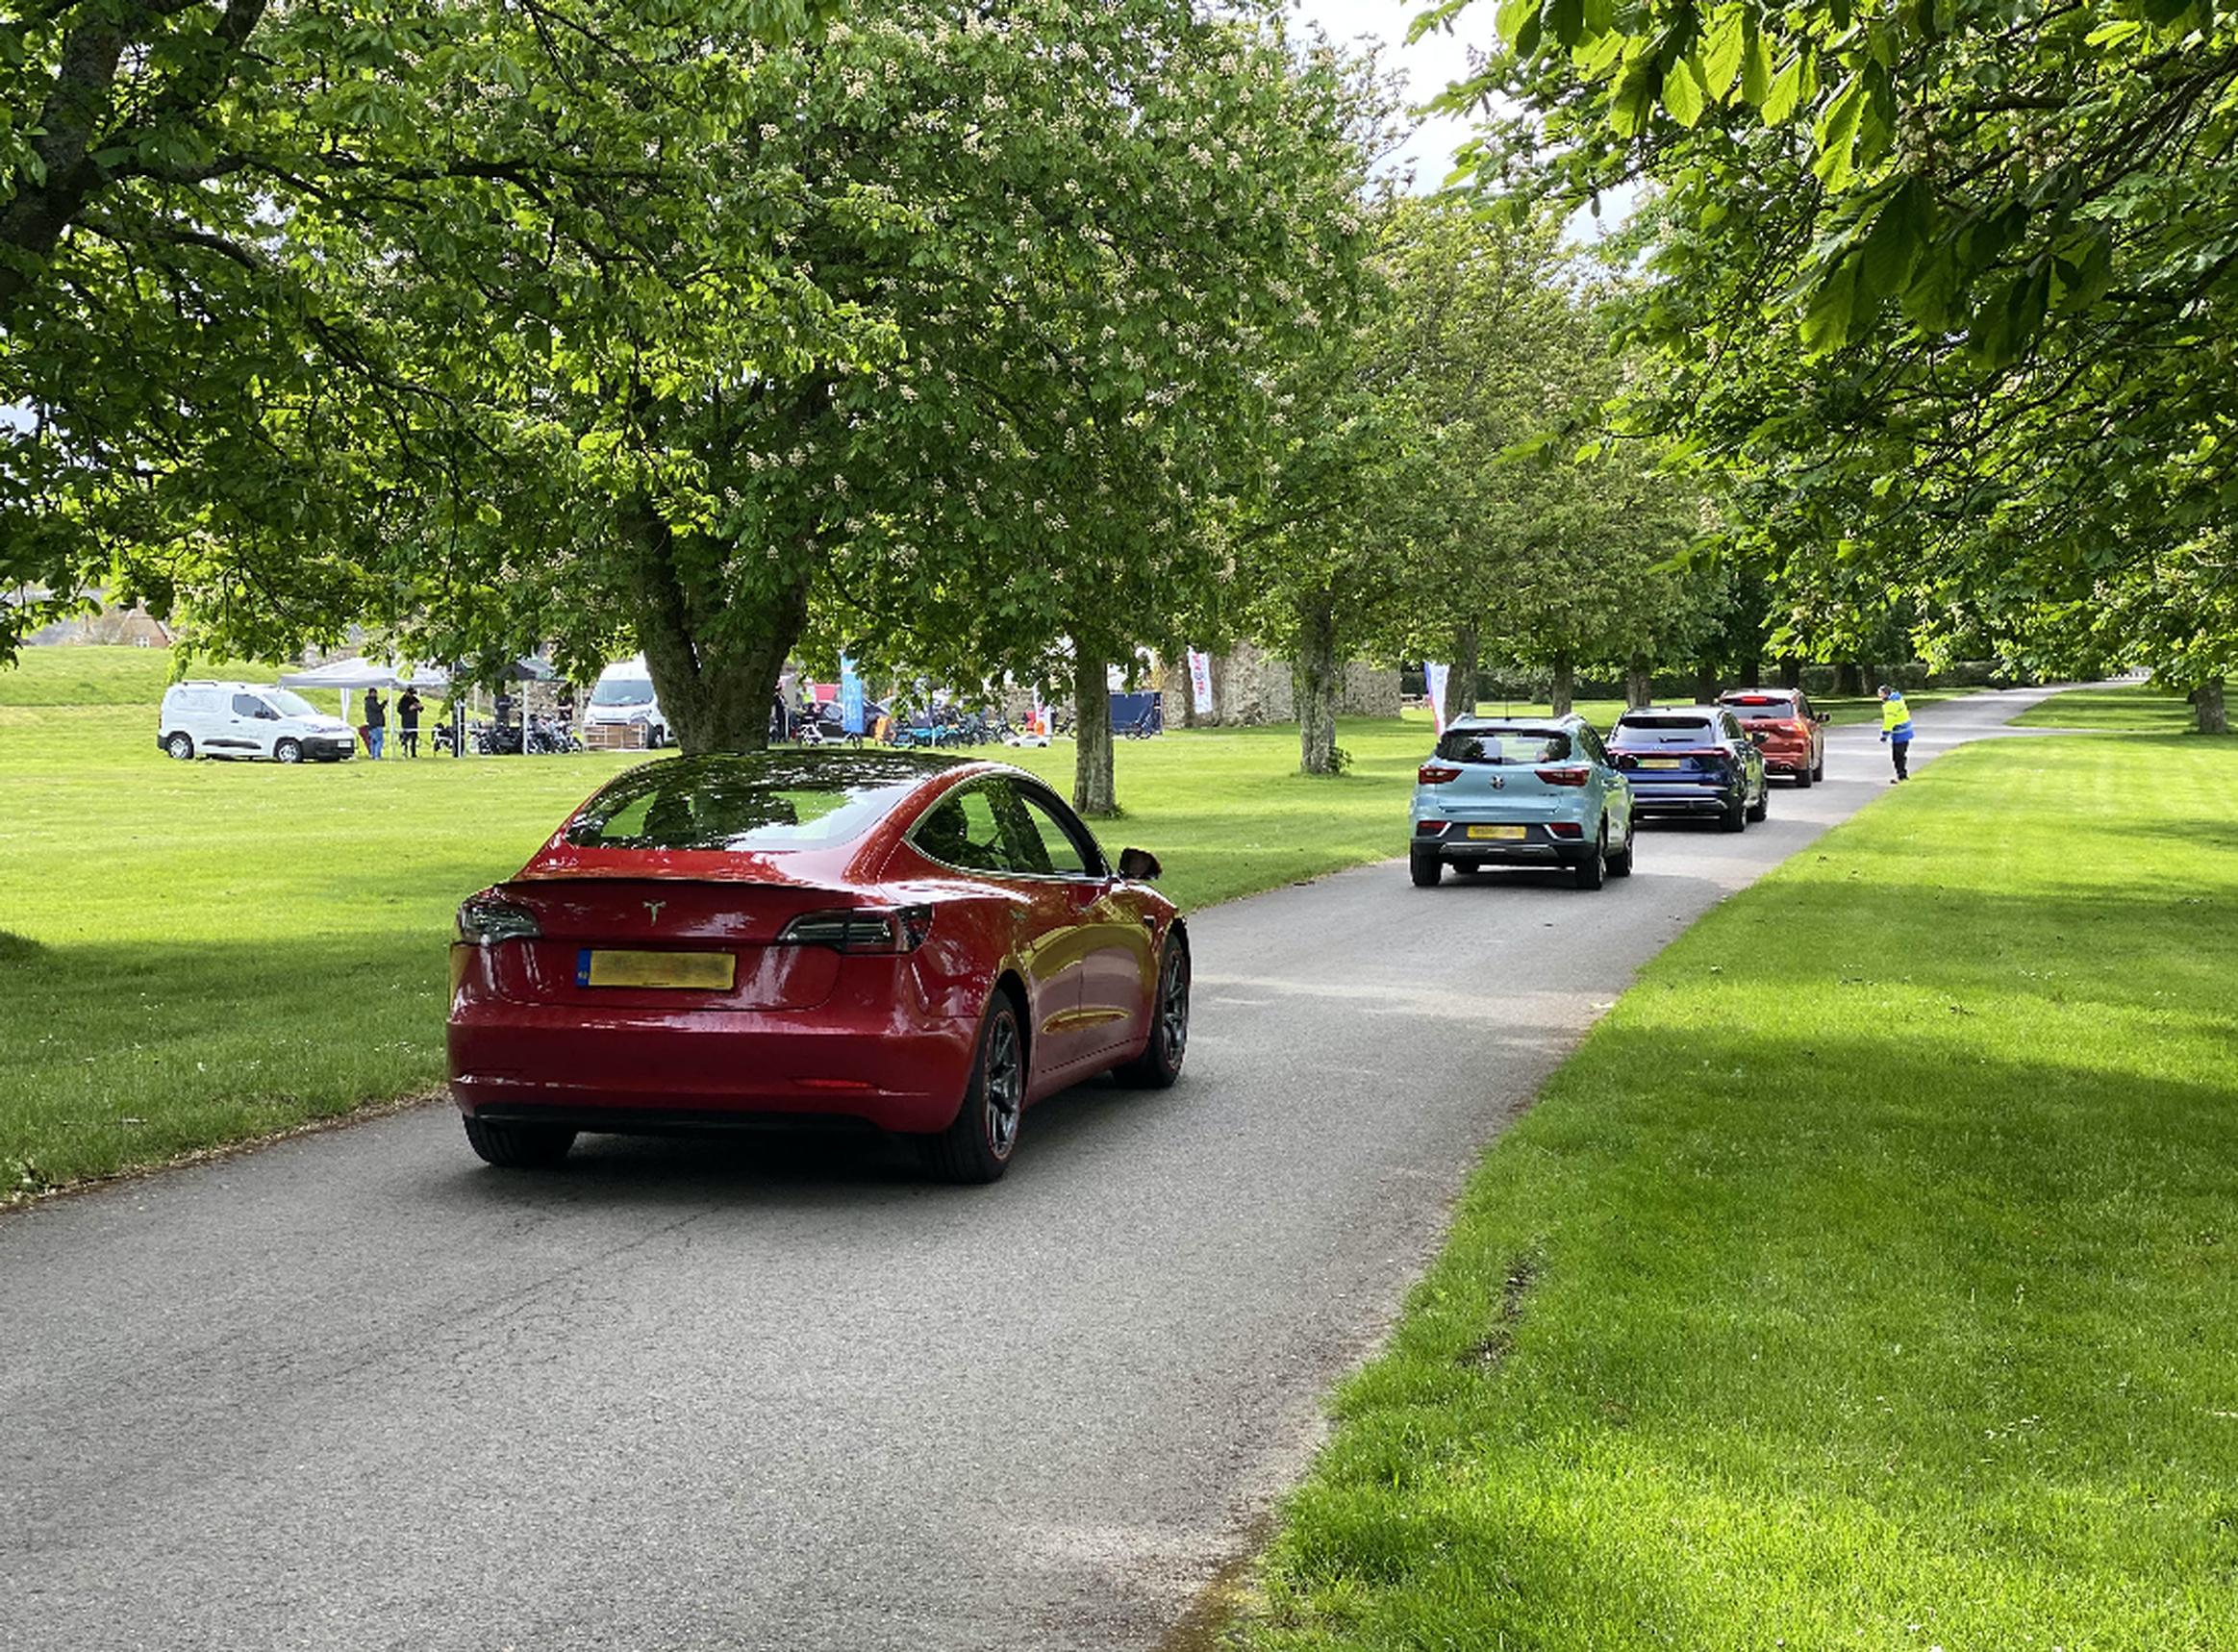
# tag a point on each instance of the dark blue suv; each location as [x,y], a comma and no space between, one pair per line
[1691,759]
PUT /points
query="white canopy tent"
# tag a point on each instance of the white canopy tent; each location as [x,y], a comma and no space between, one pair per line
[348,674]
[363,673]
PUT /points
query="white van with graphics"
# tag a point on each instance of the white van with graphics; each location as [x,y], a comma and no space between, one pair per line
[623,714]
[249,720]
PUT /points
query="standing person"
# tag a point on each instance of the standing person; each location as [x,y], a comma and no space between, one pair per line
[376,723]
[1895,728]
[408,720]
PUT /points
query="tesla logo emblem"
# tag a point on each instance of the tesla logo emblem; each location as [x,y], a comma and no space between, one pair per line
[1499,783]
[653,910]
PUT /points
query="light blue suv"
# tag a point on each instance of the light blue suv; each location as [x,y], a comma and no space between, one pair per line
[1522,792]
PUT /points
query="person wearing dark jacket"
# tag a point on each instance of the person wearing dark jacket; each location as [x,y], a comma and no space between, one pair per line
[408,720]
[376,723]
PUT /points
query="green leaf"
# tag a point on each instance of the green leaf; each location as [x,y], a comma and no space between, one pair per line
[1756,67]
[2113,33]
[1566,22]
[1682,92]
[1778,105]
[1836,134]
[1721,52]
[1827,317]
[1513,15]
[1899,237]
[2084,281]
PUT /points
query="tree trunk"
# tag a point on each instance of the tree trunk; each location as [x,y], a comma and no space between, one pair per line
[1638,687]
[1748,668]
[1791,671]
[1565,692]
[1708,680]
[1095,792]
[2214,716]
[1461,675]
[1313,682]
[715,667]
[1849,678]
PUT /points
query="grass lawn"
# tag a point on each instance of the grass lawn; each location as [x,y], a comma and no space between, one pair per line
[2136,708]
[199,953]
[1866,1278]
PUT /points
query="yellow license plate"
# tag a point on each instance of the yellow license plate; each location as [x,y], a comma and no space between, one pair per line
[1498,834]
[703,971]
[1659,762]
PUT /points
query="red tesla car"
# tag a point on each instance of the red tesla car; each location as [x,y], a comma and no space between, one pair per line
[925,944]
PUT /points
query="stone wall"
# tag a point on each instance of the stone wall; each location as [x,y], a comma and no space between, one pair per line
[1250,686]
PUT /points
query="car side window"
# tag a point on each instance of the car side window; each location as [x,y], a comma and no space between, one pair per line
[1594,749]
[964,830]
[1053,845]
[249,706]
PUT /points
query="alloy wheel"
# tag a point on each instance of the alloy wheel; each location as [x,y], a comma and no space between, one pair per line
[1173,1006]
[1004,1086]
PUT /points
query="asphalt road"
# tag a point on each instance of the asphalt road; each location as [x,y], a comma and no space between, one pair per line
[357,1391]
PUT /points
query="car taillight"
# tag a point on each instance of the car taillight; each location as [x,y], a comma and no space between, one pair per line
[1436,774]
[484,920]
[861,928]
[1565,776]
[1565,828]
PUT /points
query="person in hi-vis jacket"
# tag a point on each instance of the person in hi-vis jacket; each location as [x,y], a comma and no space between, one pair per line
[1895,728]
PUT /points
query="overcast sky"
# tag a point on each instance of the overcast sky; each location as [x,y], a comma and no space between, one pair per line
[1430,63]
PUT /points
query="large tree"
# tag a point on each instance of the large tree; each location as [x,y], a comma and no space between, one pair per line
[1956,282]
[208,213]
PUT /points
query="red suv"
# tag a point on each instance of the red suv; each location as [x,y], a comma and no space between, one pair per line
[1782,721]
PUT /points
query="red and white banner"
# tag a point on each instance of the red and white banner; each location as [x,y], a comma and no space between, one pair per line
[1434,686]
[1200,682]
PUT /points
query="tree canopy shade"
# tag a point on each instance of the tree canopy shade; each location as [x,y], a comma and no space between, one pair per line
[694,329]
[199,204]
[1951,286]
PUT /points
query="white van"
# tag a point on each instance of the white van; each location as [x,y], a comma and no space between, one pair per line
[623,714]
[249,720]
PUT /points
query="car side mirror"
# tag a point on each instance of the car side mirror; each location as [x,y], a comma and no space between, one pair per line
[1139,865]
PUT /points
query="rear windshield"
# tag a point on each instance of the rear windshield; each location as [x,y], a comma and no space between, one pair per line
[1763,710]
[788,801]
[1503,746]
[1652,731]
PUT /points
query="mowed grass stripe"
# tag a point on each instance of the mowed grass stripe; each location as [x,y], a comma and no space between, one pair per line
[2133,708]
[1883,1260]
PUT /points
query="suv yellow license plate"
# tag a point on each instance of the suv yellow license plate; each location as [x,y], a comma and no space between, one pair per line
[699,971]
[1498,834]
[1659,762]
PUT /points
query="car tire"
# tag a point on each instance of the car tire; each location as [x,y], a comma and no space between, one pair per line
[1424,869]
[1762,806]
[976,1147]
[1802,778]
[1735,817]
[1620,863]
[1592,871]
[287,751]
[1819,770]
[518,1146]
[181,746]
[1159,1062]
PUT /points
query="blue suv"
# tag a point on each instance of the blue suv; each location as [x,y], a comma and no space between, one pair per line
[1522,792]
